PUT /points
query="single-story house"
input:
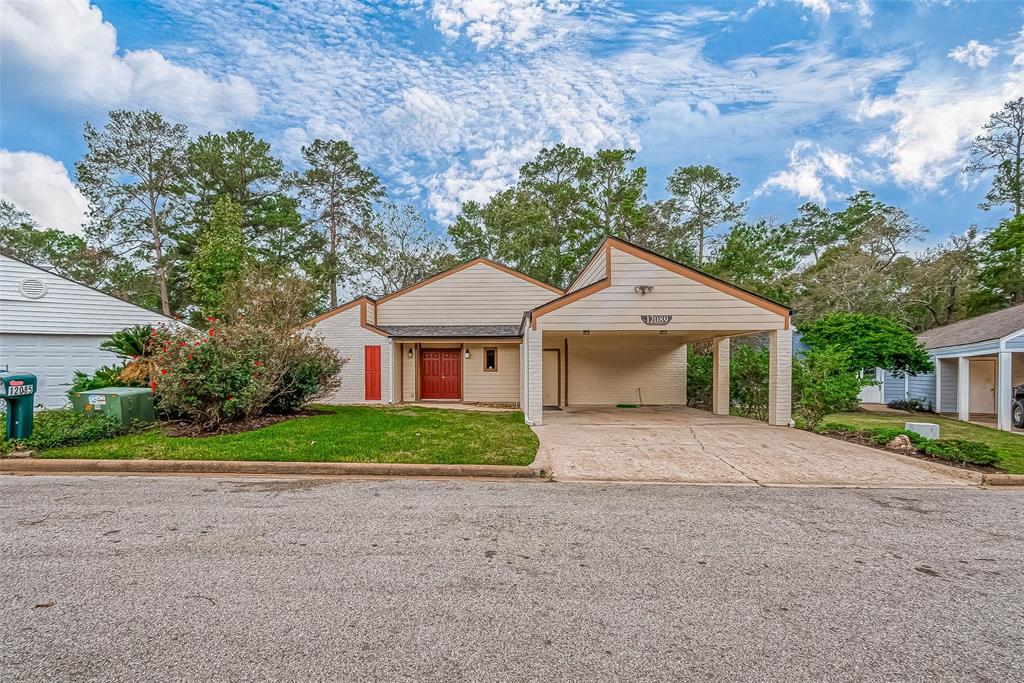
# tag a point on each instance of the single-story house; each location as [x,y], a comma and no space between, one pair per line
[977,363]
[482,332]
[52,326]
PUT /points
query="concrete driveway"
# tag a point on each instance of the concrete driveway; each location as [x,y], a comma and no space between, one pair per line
[677,444]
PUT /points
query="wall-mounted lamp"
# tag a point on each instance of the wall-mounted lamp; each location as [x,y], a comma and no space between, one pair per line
[586,333]
[408,354]
[643,290]
[466,354]
[662,331]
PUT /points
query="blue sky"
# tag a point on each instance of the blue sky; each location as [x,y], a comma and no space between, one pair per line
[801,99]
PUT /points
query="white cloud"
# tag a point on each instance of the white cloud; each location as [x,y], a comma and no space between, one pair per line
[63,51]
[934,117]
[489,23]
[820,173]
[974,54]
[40,185]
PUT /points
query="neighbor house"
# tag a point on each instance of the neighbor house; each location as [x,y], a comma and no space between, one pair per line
[52,326]
[484,333]
[977,362]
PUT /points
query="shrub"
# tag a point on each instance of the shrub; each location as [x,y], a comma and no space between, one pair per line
[871,342]
[748,379]
[106,376]
[883,435]
[699,367]
[823,383]
[239,369]
[54,428]
[955,450]
[911,405]
[840,427]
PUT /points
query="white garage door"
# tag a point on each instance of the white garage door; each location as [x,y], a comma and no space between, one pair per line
[53,358]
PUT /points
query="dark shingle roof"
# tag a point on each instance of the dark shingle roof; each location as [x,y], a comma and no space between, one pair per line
[983,328]
[451,330]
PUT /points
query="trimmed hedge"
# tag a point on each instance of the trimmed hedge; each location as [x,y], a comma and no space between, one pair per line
[956,450]
[883,435]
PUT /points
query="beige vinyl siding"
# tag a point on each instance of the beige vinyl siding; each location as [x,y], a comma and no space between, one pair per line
[606,370]
[409,371]
[594,271]
[502,386]
[478,295]
[692,305]
[344,333]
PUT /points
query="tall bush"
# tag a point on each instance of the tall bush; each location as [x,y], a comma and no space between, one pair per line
[823,383]
[237,369]
[699,366]
[748,379]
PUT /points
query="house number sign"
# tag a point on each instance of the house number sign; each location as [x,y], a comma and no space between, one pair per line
[656,319]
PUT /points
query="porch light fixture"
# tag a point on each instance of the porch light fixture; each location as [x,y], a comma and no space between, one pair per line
[586,333]
[408,354]
[466,354]
[662,331]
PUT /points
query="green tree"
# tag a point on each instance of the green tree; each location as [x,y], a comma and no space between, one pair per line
[815,230]
[1000,148]
[1002,263]
[395,251]
[760,257]
[132,175]
[219,256]
[942,286]
[340,194]
[704,199]
[870,341]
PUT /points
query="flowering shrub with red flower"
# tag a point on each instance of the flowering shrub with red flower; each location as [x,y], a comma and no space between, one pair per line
[238,369]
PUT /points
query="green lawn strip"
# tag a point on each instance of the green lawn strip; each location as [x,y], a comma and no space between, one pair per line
[342,434]
[1009,446]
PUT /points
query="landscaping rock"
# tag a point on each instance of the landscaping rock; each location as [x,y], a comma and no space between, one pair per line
[902,442]
[928,430]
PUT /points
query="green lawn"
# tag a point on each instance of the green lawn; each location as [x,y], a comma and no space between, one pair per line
[1010,447]
[342,434]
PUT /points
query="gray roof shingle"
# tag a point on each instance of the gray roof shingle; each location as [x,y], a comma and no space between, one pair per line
[983,328]
[451,330]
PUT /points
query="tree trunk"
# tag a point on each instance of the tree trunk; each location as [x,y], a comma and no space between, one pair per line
[334,263]
[158,252]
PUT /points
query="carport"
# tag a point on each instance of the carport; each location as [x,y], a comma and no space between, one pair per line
[620,333]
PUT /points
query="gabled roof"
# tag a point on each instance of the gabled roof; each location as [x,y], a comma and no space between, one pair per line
[469,264]
[610,242]
[986,327]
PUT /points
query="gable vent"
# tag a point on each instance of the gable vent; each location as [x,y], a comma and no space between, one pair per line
[33,288]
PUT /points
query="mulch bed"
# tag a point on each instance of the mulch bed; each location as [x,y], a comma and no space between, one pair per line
[867,441]
[237,427]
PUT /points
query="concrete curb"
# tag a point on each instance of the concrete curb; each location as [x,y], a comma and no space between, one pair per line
[1002,479]
[232,467]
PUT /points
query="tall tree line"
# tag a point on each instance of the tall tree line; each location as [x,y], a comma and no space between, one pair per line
[176,220]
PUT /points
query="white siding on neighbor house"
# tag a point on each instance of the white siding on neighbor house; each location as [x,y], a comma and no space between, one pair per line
[594,271]
[478,295]
[611,369]
[344,333]
[692,305]
[66,308]
[491,387]
[53,359]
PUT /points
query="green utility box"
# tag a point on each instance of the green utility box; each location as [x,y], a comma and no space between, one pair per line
[18,389]
[127,404]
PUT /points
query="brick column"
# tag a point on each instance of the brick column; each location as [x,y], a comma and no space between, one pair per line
[780,377]
[720,376]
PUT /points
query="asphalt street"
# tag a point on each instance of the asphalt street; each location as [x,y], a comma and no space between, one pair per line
[164,578]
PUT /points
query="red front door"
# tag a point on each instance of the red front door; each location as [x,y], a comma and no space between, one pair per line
[441,373]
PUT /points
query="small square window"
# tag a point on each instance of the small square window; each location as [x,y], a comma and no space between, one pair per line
[490,360]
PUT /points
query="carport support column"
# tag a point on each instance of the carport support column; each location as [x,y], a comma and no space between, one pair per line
[963,388]
[780,377]
[1004,389]
[720,376]
[533,342]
